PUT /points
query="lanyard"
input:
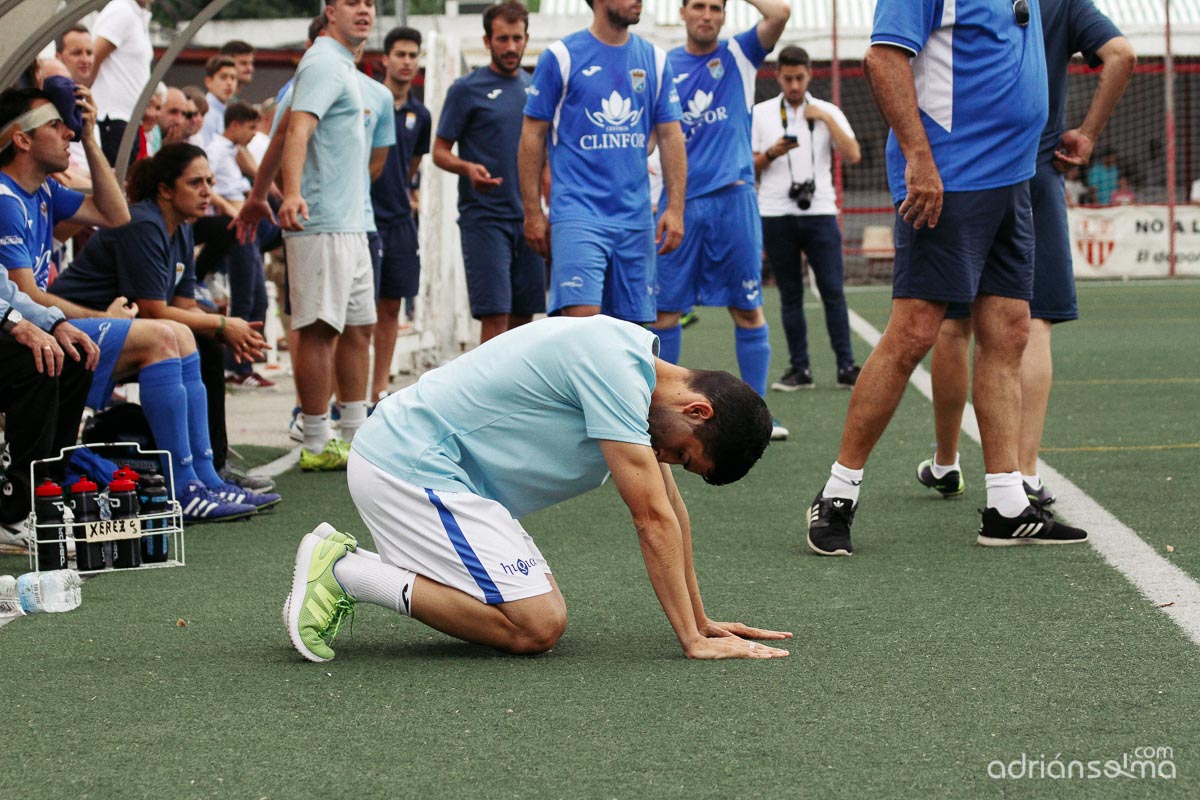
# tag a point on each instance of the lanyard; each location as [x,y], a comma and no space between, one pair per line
[812,150]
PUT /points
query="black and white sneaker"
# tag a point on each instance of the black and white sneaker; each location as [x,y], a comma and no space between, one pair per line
[829,520]
[793,380]
[1040,496]
[1036,525]
[949,485]
[846,378]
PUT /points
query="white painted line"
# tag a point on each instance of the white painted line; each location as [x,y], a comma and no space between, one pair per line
[279,466]
[1155,577]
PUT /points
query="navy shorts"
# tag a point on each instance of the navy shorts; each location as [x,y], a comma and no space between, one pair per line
[593,266]
[109,335]
[719,262]
[504,274]
[375,245]
[983,244]
[398,272]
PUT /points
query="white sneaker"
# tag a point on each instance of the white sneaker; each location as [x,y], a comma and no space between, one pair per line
[17,537]
[778,432]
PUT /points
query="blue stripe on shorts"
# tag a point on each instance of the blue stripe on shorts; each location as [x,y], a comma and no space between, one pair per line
[471,561]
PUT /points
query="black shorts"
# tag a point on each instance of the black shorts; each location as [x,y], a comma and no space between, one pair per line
[398,272]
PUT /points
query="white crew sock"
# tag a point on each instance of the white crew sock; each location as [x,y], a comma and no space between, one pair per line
[353,416]
[1034,481]
[317,432]
[843,482]
[940,471]
[1006,494]
[372,581]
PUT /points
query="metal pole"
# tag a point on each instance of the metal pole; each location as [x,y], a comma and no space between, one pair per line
[836,91]
[1169,99]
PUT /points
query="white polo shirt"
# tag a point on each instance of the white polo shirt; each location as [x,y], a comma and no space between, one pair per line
[228,180]
[124,74]
[775,180]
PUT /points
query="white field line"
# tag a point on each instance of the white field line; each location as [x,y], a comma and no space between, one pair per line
[1158,579]
[279,466]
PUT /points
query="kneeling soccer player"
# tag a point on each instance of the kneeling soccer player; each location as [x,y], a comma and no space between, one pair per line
[442,470]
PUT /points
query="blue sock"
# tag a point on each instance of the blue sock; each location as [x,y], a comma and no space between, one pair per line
[670,342]
[163,402]
[753,346]
[197,421]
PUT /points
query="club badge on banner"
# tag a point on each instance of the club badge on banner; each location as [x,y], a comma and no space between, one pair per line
[1133,241]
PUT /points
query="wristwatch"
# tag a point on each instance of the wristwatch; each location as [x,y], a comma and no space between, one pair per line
[11,320]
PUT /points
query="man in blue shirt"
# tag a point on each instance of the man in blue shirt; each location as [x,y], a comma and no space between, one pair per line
[719,262]
[506,279]
[444,468]
[962,148]
[1068,27]
[601,96]
[398,275]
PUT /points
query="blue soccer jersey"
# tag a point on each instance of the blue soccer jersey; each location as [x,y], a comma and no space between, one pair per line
[981,87]
[27,224]
[603,102]
[716,91]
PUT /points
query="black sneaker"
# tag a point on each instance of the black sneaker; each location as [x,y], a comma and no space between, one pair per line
[829,520]
[1040,496]
[848,377]
[794,379]
[252,483]
[1036,525]
[949,485]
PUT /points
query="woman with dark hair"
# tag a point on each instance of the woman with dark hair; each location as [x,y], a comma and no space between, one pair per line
[150,262]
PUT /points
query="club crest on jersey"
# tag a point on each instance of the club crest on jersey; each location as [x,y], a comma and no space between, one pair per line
[410,120]
[716,69]
[638,77]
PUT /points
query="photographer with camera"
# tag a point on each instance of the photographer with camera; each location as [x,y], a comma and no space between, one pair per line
[793,137]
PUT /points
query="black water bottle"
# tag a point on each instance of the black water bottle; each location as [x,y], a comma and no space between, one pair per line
[123,505]
[85,505]
[51,542]
[154,499]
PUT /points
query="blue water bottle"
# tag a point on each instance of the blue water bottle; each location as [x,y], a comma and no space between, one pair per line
[154,499]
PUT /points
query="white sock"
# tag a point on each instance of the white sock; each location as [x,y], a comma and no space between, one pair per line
[353,416]
[940,471]
[317,432]
[372,581]
[1034,481]
[843,482]
[1006,494]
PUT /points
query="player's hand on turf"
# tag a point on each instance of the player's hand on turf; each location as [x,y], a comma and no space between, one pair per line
[293,210]
[77,344]
[481,179]
[923,205]
[712,628]
[670,231]
[1075,150]
[537,233]
[122,308]
[731,647]
[253,211]
[244,339]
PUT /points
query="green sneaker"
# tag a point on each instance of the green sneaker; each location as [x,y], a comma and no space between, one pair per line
[331,459]
[949,485]
[318,606]
[325,531]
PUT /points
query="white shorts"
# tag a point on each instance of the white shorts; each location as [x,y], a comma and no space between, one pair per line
[330,278]
[458,539]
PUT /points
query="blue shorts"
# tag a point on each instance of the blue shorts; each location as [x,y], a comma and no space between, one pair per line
[983,244]
[504,274]
[375,245]
[109,335]
[398,274]
[613,269]
[719,262]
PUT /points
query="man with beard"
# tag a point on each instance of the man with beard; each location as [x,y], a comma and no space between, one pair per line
[444,469]
[601,96]
[506,279]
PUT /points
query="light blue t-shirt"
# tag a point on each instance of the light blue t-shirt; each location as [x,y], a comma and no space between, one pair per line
[981,88]
[327,86]
[603,102]
[519,419]
[716,91]
[380,131]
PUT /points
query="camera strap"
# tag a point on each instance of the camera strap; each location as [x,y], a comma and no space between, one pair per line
[812,150]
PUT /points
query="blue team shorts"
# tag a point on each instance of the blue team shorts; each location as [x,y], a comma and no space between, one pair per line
[398,273]
[719,262]
[983,244]
[504,274]
[613,269]
[109,335]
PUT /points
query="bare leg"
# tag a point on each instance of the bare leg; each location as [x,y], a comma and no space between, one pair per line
[951,373]
[387,325]
[744,318]
[313,367]
[1001,330]
[910,333]
[352,363]
[148,342]
[1037,375]
[667,319]
[491,326]
[528,626]
[517,320]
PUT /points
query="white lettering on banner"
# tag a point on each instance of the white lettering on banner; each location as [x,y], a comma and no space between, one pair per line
[1133,241]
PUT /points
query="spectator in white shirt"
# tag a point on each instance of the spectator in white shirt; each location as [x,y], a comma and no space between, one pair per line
[122,62]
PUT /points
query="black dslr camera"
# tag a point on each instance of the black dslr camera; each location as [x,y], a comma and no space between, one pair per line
[802,193]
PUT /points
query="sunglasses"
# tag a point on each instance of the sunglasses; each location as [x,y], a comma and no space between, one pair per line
[1021,12]
[194,114]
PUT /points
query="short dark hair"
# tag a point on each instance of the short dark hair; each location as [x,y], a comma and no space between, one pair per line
[510,11]
[401,34]
[738,431]
[794,56]
[163,169]
[317,26]
[236,47]
[218,63]
[240,112]
[61,41]
[197,96]
[14,103]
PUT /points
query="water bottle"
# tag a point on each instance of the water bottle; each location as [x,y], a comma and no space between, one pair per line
[29,590]
[85,506]
[51,542]
[10,597]
[154,499]
[61,590]
[123,505]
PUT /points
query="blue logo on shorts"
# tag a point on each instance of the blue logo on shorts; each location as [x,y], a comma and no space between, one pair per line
[522,566]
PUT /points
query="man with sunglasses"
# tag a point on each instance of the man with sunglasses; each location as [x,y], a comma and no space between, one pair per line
[963,87]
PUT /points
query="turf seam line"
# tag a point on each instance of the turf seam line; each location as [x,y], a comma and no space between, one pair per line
[279,466]
[1154,576]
